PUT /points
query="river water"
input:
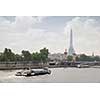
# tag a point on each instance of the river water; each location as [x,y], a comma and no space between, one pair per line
[58,75]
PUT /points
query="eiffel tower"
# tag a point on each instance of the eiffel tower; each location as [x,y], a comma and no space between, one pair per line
[71,50]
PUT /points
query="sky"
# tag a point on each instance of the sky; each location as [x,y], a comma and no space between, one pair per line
[36,32]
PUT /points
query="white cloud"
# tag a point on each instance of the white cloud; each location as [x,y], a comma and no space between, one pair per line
[21,34]
[20,24]
[86,34]
[16,35]
[41,18]
[25,23]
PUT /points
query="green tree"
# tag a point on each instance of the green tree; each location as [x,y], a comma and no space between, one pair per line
[96,58]
[69,58]
[18,57]
[26,55]
[44,54]
[2,57]
[8,55]
[84,57]
[36,56]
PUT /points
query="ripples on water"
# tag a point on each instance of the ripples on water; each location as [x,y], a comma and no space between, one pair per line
[58,75]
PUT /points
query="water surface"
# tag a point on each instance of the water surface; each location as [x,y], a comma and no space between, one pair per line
[58,75]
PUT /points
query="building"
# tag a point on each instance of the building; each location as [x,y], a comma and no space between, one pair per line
[56,56]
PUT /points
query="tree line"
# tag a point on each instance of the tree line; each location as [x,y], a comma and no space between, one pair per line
[7,55]
[42,56]
[84,57]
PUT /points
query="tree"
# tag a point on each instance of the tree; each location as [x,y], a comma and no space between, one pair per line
[26,55]
[18,57]
[44,54]
[36,56]
[69,58]
[2,57]
[96,58]
[8,55]
[84,57]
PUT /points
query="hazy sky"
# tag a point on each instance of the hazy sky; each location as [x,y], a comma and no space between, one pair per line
[33,33]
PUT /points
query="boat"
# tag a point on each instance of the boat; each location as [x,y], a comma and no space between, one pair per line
[41,72]
[23,73]
[33,72]
[82,66]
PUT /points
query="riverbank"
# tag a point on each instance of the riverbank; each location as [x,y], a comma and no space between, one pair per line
[21,65]
[10,67]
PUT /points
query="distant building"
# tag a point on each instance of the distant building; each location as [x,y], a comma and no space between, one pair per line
[56,56]
[65,54]
[71,50]
[92,54]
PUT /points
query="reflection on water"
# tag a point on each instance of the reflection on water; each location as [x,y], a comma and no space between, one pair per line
[58,75]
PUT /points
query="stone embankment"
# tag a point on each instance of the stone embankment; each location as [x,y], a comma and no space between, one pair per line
[14,66]
[21,65]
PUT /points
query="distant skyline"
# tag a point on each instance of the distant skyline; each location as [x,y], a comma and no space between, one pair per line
[35,32]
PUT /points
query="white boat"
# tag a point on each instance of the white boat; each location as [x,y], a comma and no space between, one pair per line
[82,66]
[33,72]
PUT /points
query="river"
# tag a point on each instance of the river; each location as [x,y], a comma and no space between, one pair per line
[58,75]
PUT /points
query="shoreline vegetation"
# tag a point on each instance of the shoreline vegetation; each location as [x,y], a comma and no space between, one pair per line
[8,56]
[9,60]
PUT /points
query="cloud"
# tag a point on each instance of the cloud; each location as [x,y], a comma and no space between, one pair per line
[17,34]
[86,33]
[41,18]
[25,23]
[21,34]
[20,24]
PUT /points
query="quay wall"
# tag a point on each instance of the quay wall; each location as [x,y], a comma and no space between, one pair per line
[23,65]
